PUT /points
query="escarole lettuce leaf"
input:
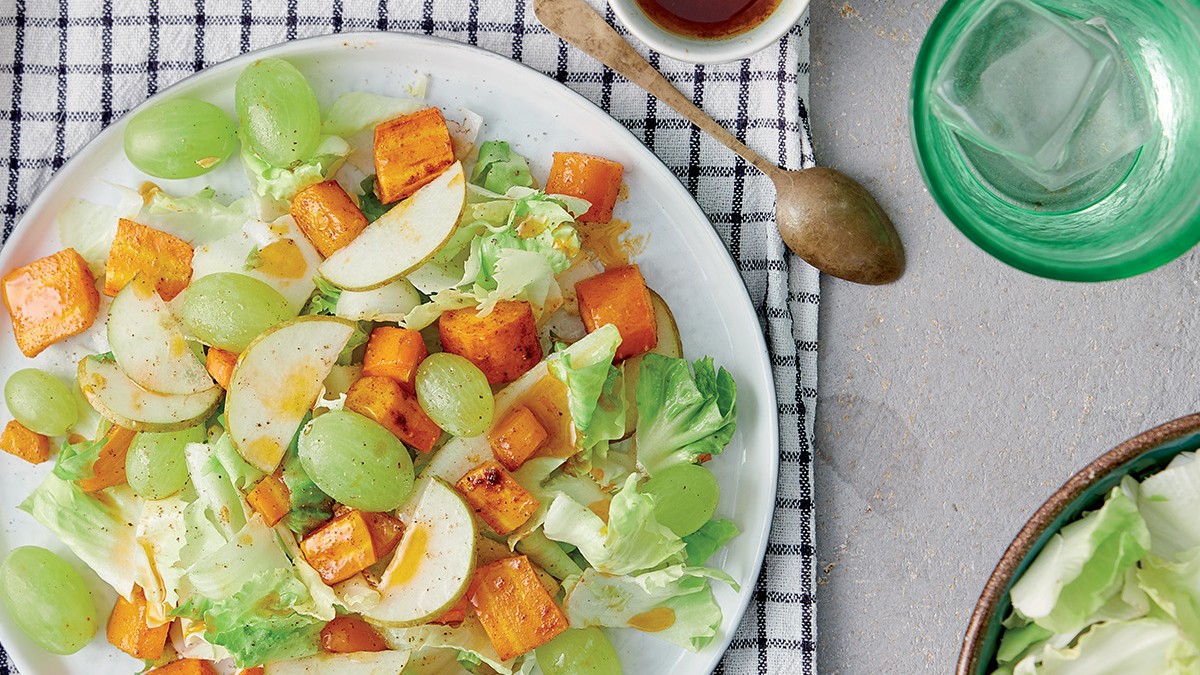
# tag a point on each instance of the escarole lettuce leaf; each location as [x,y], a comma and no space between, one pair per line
[1169,501]
[198,218]
[274,186]
[675,604]
[499,168]
[595,388]
[683,412]
[1116,648]
[632,540]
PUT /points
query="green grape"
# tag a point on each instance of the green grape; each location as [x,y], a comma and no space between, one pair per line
[40,401]
[179,138]
[455,394]
[685,497]
[228,309]
[48,600]
[278,112]
[356,461]
[579,651]
[155,466]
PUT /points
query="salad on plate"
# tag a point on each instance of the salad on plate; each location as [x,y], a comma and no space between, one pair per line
[402,408]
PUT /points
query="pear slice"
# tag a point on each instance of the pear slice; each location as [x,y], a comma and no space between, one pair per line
[121,401]
[352,663]
[403,238]
[276,381]
[434,562]
[149,345]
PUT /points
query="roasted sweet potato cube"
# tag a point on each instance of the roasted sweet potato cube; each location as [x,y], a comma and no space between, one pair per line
[620,297]
[385,401]
[517,437]
[220,365]
[186,667]
[25,443]
[327,216]
[589,177]
[349,634]
[50,299]
[386,532]
[395,353]
[410,152]
[503,343]
[256,670]
[109,468]
[163,258]
[129,630]
[340,548]
[456,614]
[514,607]
[497,497]
[271,498]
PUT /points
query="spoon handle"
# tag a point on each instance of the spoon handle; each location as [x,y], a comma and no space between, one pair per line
[577,23]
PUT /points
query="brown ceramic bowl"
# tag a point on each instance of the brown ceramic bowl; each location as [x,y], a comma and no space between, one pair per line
[1139,456]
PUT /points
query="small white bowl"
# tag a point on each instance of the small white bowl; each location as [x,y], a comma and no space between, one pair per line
[695,50]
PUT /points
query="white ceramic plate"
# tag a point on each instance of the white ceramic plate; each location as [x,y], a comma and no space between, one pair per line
[684,261]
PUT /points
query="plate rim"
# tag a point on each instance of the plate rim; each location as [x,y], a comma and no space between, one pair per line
[23,228]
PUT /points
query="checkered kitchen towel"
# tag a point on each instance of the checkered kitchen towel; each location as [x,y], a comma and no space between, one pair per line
[70,67]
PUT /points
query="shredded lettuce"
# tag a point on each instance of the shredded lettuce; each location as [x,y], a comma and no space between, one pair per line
[468,638]
[358,110]
[1169,502]
[198,218]
[75,460]
[632,540]
[675,604]
[275,186]
[1117,648]
[682,412]
[309,505]
[595,387]
[499,168]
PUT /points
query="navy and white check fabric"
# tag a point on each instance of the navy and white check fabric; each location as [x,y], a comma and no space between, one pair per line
[70,67]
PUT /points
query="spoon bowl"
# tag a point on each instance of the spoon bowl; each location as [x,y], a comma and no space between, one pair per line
[824,216]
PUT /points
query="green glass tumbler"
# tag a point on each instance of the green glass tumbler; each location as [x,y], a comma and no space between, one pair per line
[1132,217]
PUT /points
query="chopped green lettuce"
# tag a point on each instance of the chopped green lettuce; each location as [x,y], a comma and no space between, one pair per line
[1082,566]
[682,412]
[275,186]
[710,538]
[632,540]
[1117,648]
[324,299]
[198,218]
[368,200]
[499,168]
[675,604]
[468,637]
[309,505]
[75,460]
[595,388]
[358,110]
[1169,501]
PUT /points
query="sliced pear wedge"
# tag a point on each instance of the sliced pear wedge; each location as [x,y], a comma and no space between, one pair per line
[149,343]
[121,401]
[352,663]
[276,381]
[434,562]
[403,238]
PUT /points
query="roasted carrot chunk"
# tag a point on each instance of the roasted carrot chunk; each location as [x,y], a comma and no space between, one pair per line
[327,216]
[497,497]
[109,468]
[385,401]
[589,177]
[503,344]
[50,299]
[220,365]
[348,634]
[271,498]
[517,437]
[514,607]
[410,151]
[395,353]
[620,297]
[129,631]
[25,443]
[187,667]
[340,548]
[385,530]
[163,258]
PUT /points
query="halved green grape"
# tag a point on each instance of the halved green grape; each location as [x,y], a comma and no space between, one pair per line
[228,309]
[356,461]
[685,497]
[48,600]
[579,651]
[179,138]
[155,466]
[278,112]
[40,401]
[455,394]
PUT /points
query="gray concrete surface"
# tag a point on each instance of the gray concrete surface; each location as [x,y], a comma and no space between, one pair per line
[955,401]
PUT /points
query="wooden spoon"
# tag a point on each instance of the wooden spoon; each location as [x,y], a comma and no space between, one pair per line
[824,216]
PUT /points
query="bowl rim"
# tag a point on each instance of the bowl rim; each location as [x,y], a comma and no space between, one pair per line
[709,52]
[998,582]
